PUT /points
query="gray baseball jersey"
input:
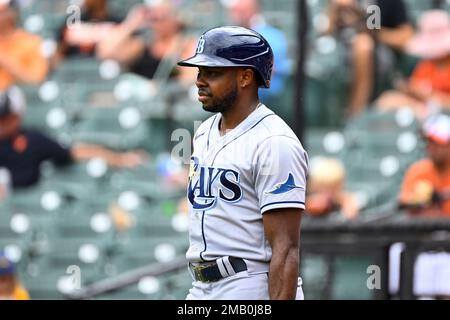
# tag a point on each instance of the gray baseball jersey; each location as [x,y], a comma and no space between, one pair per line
[234,179]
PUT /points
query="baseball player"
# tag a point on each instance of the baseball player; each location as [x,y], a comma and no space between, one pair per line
[247,177]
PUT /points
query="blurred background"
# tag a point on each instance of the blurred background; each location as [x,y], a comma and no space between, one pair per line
[93,111]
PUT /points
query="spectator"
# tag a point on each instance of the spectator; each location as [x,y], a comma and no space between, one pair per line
[370,51]
[21,60]
[167,43]
[429,86]
[247,13]
[426,185]
[81,38]
[22,151]
[5,184]
[326,190]
[10,287]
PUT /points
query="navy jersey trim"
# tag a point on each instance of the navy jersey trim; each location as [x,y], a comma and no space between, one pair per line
[272,114]
[209,132]
[280,202]
[203,236]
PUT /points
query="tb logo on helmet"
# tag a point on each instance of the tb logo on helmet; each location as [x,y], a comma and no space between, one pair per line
[201,45]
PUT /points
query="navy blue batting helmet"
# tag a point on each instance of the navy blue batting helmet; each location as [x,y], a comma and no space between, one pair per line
[233,46]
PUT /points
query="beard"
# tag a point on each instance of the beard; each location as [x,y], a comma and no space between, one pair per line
[222,104]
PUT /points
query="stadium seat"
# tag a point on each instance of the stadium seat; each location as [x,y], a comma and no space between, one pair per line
[314,272]
[136,251]
[350,278]
[117,128]
[326,72]
[177,285]
[147,289]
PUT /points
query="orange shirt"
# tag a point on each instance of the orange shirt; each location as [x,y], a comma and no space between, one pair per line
[428,75]
[20,293]
[418,177]
[24,49]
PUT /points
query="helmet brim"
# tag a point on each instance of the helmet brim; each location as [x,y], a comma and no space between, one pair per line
[202,60]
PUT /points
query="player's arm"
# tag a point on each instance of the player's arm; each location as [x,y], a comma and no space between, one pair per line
[280,182]
[282,230]
[121,45]
[396,37]
[82,152]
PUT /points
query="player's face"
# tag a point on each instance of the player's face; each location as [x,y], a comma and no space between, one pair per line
[7,285]
[439,153]
[7,19]
[9,125]
[217,88]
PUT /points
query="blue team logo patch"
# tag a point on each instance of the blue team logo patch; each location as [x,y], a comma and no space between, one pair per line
[285,187]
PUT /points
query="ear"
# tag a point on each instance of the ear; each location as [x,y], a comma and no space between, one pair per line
[246,78]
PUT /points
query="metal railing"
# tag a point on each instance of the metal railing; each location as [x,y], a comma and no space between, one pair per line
[128,278]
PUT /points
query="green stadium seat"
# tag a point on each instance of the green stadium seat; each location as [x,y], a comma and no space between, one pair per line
[350,278]
[16,246]
[147,289]
[84,226]
[137,251]
[415,8]
[117,128]
[43,280]
[154,223]
[326,72]
[37,199]
[177,285]
[314,271]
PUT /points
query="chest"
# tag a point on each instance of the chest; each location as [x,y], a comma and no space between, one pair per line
[221,172]
[238,154]
[439,78]
[18,152]
[12,45]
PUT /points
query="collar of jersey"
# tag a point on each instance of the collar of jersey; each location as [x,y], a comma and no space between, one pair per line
[248,123]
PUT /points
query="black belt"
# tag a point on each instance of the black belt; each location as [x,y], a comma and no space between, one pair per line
[210,271]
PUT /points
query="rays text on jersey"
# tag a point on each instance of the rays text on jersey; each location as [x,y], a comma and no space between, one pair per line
[207,184]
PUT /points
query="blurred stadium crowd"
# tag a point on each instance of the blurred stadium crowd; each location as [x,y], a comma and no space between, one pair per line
[90,98]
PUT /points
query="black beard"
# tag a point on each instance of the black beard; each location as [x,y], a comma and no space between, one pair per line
[223,104]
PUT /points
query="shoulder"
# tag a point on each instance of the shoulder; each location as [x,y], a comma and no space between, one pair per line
[424,66]
[421,167]
[38,139]
[272,127]
[32,134]
[274,139]
[24,36]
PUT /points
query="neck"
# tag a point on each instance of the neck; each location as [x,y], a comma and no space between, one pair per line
[238,113]
[443,62]
[442,167]
[6,32]
[98,11]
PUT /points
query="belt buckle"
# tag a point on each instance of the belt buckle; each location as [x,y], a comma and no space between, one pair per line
[198,274]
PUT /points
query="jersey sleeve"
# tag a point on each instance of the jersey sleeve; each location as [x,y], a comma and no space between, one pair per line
[280,174]
[51,150]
